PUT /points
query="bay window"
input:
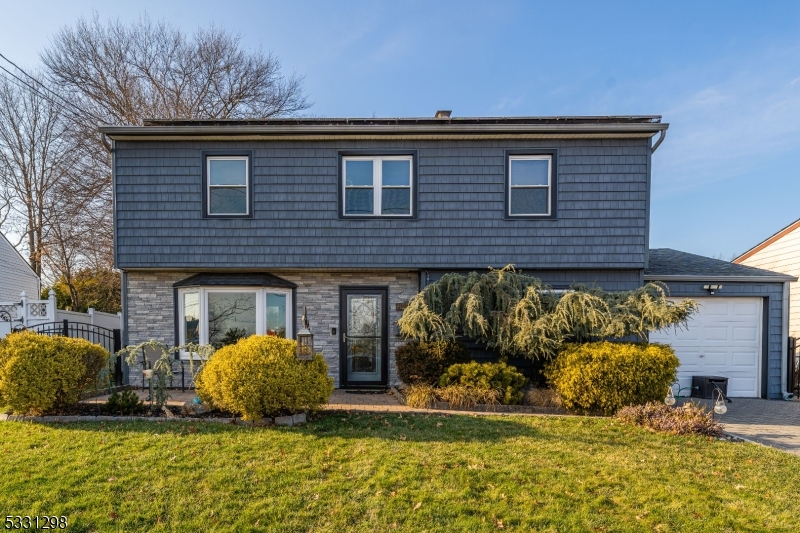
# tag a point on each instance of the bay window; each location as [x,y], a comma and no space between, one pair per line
[222,315]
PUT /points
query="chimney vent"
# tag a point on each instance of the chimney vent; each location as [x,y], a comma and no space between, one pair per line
[442,114]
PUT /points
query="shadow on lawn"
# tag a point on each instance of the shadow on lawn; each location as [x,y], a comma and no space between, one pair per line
[390,427]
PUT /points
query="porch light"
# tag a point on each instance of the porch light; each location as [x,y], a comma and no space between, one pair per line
[305,340]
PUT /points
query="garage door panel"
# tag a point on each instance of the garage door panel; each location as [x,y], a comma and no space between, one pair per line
[748,359]
[716,359]
[741,386]
[715,333]
[714,308]
[722,339]
[750,309]
[745,333]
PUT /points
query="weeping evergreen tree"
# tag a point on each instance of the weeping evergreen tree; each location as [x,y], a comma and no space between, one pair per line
[518,315]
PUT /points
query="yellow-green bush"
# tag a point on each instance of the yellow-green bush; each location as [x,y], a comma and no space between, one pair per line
[487,376]
[261,376]
[39,373]
[606,376]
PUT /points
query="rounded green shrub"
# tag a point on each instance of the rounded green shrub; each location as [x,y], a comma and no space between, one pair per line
[261,376]
[425,362]
[606,376]
[39,373]
[487,376]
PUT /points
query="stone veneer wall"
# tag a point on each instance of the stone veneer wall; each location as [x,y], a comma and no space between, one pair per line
[319,291]
[151,312]
[151,308]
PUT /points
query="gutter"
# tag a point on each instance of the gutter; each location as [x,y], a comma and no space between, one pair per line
[380,129]
[780,278]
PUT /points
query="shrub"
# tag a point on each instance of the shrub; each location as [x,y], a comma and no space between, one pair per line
[425,362]
[606,376]
[420,396]
[39,373]
[465,396]
[689,419]
[261,376]
[125,403]
[487,376]
[541,397]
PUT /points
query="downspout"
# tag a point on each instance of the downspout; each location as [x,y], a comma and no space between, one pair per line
[658,142]
[785,394]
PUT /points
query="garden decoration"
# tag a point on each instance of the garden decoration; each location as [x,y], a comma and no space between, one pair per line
[160,372]
[671,397]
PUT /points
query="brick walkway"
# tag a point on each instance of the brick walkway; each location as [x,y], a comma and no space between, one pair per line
[770,422]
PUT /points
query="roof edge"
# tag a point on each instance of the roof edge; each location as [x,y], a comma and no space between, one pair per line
[777,278]
[379,129]
[766,242]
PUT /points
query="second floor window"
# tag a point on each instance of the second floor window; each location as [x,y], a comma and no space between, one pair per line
[228,185]
[377,186]
[529,185]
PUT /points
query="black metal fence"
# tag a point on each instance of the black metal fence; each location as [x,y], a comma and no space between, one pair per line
[110,339]
[793,375]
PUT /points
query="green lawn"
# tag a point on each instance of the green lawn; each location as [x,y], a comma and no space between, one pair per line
[346,473]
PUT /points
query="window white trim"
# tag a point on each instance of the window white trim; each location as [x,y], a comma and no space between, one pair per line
[511,187]
[246,185]
[377,185]
[261,310]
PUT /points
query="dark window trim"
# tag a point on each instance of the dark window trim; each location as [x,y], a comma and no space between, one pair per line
[204,161]
[414,183]
[366,289]
[553,153]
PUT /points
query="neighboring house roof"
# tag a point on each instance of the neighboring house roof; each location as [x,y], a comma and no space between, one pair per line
[763,244]
[666,264]
[307,128]
[22,259]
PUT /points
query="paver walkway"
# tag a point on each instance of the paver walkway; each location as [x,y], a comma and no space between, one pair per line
[774,423]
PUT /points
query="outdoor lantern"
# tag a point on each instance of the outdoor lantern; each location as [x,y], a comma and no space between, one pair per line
[305,340]
[719,406]
[670,399]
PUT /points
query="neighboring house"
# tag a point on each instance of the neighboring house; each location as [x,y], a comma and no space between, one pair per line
[781,253]
[16,275]
[231,227]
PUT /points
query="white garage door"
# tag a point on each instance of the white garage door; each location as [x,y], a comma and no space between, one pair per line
[723,339]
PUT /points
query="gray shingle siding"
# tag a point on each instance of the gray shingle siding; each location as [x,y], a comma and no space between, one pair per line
[773,293]
[601,221]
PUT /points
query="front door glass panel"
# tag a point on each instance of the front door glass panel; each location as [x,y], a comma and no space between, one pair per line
[364,337]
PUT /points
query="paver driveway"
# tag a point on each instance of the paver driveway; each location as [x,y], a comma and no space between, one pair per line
[771,422]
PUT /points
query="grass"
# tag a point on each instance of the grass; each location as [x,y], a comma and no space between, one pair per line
[346,473]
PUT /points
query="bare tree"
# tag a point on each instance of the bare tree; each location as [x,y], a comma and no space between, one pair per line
[128,73]
[36,155]
[125,74]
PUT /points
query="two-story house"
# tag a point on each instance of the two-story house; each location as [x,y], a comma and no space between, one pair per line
[225,228]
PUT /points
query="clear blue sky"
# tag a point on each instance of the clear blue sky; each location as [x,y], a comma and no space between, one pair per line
[725,75]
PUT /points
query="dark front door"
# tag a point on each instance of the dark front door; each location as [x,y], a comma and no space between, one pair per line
[364,341]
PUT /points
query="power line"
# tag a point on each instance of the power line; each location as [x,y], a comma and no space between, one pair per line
[67,102]
[21,83]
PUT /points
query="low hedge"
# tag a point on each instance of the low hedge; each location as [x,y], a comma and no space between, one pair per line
[606,376]
[425,362]
[487,376]
[688,419]
[261,376]
[39,373]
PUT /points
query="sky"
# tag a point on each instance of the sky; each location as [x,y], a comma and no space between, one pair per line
[724,75]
